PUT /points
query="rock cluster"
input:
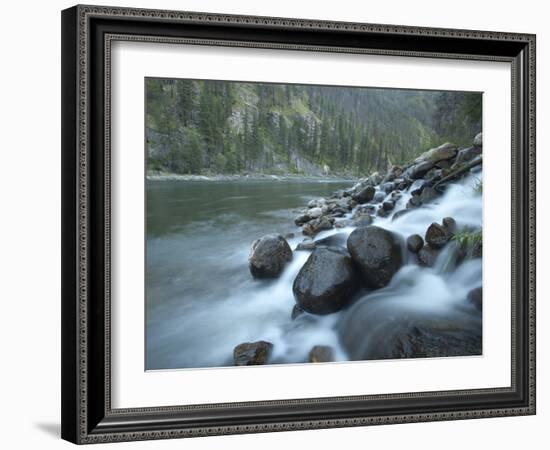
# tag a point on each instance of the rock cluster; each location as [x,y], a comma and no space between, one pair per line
[343,264]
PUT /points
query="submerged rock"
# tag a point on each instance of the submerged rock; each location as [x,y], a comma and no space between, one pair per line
[269,256]
[252,353]
[376,252]
[415,243]
[388,206]
[321,353]
[427,256]
[475,297]
[326,282]
[465,155]
[399,214]
[428,195]
[296,311]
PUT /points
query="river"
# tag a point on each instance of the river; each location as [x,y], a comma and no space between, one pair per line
[201,300]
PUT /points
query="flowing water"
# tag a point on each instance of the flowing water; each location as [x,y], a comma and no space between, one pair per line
[201,300]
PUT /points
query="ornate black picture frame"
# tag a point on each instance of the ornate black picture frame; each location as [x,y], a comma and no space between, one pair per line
[87,34]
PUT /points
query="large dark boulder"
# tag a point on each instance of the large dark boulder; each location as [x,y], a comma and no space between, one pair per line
[326,282]
[252,353]
[377,254]
[364,195]
[269,256]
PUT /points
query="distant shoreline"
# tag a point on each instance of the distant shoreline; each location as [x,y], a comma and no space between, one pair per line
[164,176]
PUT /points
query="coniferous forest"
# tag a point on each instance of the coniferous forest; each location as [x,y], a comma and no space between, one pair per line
[227,127]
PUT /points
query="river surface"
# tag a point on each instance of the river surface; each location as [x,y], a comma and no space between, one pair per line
[201,300]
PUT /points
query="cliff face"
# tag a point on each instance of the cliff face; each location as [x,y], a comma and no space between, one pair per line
[197,126]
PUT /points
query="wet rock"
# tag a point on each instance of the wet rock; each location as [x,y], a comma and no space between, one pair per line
[478,140]
[379,196]
[338,212]
[364,195]
[316,203]
[296,311]
[428,195]
[402,185]
[414,202]
[376,252]
[381,212]
[302,219]
[427,256]
[289,235]
[315,213]
[436,235]
[344,223]
[444,164]
[445,151]
[369,330]
[388,187]
[363,220]
[375,178]
[388,205]
[396,195]
[415,243]
[320,354]
[465,155]
[316,225]
[326,283]
[450,226]
[393,173]
[252,353]
[475,297]
[306,245]
[334,240]
[399,214]
[269,256]
[419,170]
[364,209]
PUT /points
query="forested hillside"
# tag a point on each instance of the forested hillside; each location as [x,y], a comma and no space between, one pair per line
[215,127]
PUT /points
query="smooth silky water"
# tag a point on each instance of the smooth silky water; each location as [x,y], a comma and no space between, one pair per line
[201,300]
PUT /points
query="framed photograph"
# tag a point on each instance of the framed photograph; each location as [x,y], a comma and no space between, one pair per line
[280,224]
